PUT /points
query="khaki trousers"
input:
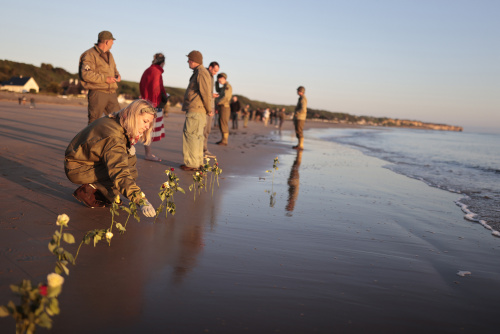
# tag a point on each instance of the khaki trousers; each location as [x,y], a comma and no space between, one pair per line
[224,113]
[299,127]
[192,139]
[100,102]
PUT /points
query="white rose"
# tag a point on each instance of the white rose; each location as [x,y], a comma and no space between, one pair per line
[62,220]
[54,280]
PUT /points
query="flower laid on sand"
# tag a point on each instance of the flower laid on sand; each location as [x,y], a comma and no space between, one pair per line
[166,194]
[201,180]
[272,199]
[54,280]
[63,256]
[39,304]
[62,220]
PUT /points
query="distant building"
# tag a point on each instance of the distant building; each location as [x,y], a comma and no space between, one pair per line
[73,87]
[20,85]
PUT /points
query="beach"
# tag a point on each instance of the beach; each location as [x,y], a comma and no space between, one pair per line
[333,242]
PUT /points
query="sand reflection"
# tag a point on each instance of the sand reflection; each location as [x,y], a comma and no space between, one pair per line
[293,184]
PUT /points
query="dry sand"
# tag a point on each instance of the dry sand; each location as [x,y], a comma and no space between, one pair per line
[343,245]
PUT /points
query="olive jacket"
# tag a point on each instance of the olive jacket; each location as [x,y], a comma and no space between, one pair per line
[225,94]
[102,153]
[301,109]
[198,96]
[95,66]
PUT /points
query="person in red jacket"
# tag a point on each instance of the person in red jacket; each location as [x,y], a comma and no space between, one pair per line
[152,90]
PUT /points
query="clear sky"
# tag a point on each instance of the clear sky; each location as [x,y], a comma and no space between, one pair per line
[429,60]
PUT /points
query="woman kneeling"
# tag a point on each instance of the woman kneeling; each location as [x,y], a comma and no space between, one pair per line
[102,157]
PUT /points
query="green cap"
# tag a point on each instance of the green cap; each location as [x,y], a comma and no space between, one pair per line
[222,75]
[104,36]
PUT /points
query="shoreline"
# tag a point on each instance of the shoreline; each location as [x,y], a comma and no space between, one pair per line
[347,245]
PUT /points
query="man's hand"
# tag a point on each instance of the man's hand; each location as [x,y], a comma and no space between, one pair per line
[118,78]
[216,94]
[110,80]
[148,210]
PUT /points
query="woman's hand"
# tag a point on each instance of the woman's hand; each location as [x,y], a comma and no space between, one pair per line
[148,210]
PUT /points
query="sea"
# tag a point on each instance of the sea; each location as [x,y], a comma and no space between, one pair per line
[465,163]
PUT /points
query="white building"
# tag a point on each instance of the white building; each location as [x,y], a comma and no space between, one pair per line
[20,85]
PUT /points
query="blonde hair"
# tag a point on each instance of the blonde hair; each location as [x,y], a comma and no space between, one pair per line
[128,120]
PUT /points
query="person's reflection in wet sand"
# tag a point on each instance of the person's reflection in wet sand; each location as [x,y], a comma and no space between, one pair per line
[293,184]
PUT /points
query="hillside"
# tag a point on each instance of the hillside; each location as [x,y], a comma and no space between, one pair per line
[52,79]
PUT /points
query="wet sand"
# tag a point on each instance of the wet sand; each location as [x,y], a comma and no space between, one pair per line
[342,245]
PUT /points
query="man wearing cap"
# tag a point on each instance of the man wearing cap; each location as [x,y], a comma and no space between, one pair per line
[299,117]
[98,74]
[197,105]
[225,94]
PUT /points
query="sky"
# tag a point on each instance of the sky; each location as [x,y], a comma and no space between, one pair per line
[429,60]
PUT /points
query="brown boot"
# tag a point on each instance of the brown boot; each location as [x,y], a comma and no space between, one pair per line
[223,142]
[86,194]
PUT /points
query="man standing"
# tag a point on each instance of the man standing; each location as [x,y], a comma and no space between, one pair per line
[213,68]
[246,115]
[235,109]
[299,117]
[225,94]
[197,105]
[98,73]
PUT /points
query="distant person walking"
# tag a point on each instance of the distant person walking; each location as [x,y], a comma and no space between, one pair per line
[152,90]
[225,93]
[281,116]
[213,68]
[246,115]
[235,111]
[197,105]
[98,73]
[265,116]
[299,117]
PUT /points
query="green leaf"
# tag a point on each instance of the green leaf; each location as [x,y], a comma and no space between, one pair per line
[120,227]
[53,292]
[68,238]
[44,321]
[4,311]
[181,190]
[54,306]
[96,239]
[57,269]
[69,256]
[52,246]
[15,288]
